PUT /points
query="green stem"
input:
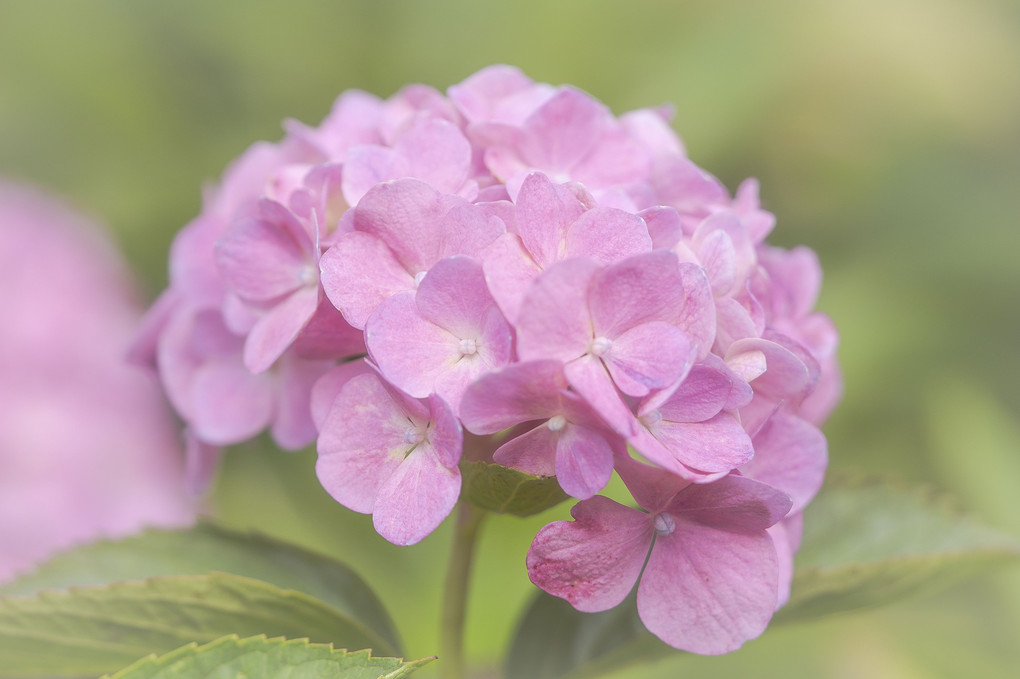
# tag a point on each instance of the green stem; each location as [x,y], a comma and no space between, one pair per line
[458,576]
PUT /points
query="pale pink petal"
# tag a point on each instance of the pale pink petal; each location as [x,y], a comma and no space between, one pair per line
[588,376]
[718,444]
[707,590]
[278,328]
[563,130]
[643,288]
[786,374]
[362,442]
[328,335]
[593,561]
[437,152]
[366,166]
[327,387]
[509,270]
[533,452]
[554,320]
[733,503]
[410,351]
[697,316]
[201,460]
[648,356]
[544,214]
[791,455]
[416,498]
[584,461]
[517,393]
[228,403]
[453,295]
[445,432]
[267,256]
[663,225]
[293,427]
[358,273]
[607,235]
[703,393]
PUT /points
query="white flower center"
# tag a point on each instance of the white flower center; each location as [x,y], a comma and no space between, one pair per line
[664,524]
[308,275]
[601,345]
[413,436]
[557,422]
[467,347]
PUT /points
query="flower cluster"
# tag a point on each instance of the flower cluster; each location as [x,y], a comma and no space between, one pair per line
[87,446]
[514,261]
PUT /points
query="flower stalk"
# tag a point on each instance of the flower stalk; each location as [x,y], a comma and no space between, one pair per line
[455,591]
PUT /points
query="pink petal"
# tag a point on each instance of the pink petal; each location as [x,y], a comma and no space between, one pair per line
[367,166]
[664,226]
[416,498]
[509,270]
[648,356]
[328,386]
[533,452]
[643,288]
[453,295]
[267,256]
[733,503]
[410,351]
[718,444]
[437,152]
[791,455]
[517,393]
[563,130]
[362,443]
[277,329]
[589,378]
[544,214]
[607,235]
[328,335]
[358,273]
[584,461]
[293,427]
[697,313]
[593,561]
[708,591]
[554,320]
[228,403]
[700,396]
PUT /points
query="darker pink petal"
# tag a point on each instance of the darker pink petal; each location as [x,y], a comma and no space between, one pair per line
[593,561]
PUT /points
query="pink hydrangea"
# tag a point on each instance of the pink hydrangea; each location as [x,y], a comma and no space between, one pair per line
[515,261]
[87,449]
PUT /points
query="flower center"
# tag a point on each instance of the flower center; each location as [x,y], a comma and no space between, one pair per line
[467,347]
[557,422]
[664,524]
[308,275]
[418,277]
[601,345]
[413,436]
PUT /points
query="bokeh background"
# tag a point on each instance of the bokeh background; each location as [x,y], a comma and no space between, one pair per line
[885,133]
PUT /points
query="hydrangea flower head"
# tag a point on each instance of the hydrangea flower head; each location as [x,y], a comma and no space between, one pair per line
[513,261]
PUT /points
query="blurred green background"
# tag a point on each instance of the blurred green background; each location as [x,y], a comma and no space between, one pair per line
[885,133]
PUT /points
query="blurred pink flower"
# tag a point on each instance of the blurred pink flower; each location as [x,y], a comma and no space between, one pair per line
[87,447]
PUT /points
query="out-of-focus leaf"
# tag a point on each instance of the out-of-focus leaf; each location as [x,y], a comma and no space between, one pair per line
[88,630]
[206,548]
[508,491]
[864,544]
[868,543]
[261,658]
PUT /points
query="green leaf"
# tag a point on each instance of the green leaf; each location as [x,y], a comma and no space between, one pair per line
[206,548]
[868,543]
[508,491]
[261,658]
[88,630]
[864,544]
